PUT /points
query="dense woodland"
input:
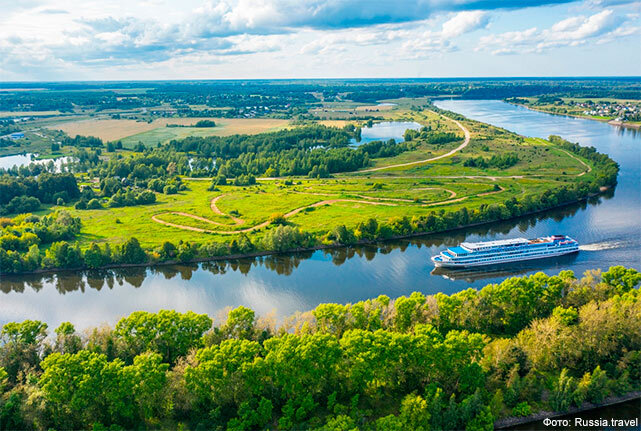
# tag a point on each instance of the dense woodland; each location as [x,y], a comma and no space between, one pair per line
[446,362]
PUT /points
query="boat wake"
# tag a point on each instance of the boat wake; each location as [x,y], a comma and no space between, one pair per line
[605,245]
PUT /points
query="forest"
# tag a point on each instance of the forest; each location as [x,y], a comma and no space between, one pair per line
[445,362]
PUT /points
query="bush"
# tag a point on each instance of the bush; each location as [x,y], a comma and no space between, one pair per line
[277,219]
[21,204]
[522,409]
[170,190]
[94,204]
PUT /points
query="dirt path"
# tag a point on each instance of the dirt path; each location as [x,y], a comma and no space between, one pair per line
[215,209]
[589,168]
[373,198]
[442,156]
[253,228]
[238,221]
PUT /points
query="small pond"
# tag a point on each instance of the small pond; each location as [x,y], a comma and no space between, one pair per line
[386,130]
[7,162]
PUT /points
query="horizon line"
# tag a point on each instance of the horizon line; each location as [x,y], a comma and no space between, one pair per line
[469,78]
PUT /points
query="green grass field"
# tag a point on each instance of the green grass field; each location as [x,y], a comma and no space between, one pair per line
[316,205]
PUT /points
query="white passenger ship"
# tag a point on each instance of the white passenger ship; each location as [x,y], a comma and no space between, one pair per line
[469,254]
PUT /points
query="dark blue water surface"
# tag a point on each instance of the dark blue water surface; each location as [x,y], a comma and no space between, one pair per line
[607,227]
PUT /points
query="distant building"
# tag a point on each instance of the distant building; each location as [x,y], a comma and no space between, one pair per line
[16,135]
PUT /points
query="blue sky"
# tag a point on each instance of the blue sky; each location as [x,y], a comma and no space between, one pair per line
[211,39]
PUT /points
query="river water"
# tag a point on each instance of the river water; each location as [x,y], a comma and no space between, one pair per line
[608,227]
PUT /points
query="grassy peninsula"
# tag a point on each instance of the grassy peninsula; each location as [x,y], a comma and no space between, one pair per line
[304,186]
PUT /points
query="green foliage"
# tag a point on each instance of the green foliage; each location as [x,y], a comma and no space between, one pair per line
[562,394]
[24,194]
[205,123]
[132,252]
[522,409]
[277,219]
[499,161]
[567,316]
[285,238]
[593,387]
[376,364]
[167,332]
[622,278]
[240,323]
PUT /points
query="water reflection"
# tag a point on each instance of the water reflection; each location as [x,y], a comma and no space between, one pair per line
[503,270]
[386,130]
[17,160]
[286,264]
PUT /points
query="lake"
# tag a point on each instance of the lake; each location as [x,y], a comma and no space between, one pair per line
[386,130]
[608,228]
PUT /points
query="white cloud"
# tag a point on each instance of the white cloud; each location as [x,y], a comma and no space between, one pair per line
[573,31]
[464,22]
[43,37]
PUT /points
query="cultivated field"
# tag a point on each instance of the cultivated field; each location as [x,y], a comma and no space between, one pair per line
[113,130]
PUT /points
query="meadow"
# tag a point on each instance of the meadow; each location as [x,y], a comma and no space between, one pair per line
[316,205]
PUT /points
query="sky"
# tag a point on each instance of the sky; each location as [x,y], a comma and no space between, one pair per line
[59,40]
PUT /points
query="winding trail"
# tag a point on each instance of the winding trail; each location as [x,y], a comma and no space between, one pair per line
[589,168]
[240,221]
[442,156]
[214,208]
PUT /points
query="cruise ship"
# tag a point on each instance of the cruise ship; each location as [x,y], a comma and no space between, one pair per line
[469,254]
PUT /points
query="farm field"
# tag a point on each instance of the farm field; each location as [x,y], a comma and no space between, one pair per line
[131,131]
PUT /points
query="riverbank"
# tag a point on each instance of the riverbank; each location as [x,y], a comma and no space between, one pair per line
[586,406]
[310,249]
[611,122]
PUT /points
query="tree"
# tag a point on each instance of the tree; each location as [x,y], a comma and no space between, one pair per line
[240,323]
[132,252]
[22,344]
[67,341]
[149,375]
[94,204]
[95,257]
[622,278]
[220,376]
[84,388]
[167,332]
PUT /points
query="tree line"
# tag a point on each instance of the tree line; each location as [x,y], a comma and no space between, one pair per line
[25,194]
[414,362]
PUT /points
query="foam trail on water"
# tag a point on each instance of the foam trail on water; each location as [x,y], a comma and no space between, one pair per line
[605,245]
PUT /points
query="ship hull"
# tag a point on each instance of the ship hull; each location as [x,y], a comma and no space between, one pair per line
[453,264]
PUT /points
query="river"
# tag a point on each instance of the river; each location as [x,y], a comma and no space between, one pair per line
[608,227]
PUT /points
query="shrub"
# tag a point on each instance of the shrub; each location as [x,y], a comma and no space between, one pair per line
[277,219]
[170,190]
[522,409]
[94,204]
